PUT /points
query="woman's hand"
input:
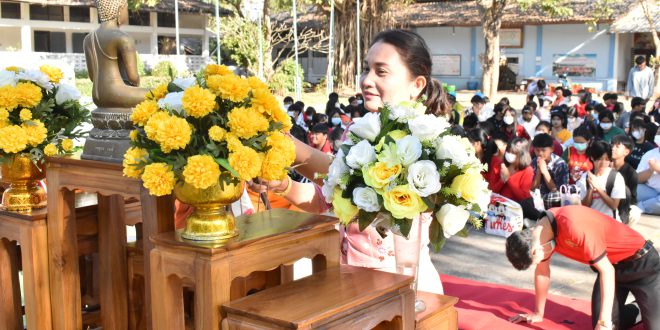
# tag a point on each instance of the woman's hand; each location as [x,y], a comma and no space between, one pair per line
[259,185]
[504,173]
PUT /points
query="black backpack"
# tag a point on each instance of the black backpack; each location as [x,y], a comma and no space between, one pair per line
[624,204]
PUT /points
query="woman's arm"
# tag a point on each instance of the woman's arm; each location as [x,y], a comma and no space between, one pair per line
[311,161]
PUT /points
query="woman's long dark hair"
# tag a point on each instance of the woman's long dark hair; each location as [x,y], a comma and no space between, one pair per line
[416,55]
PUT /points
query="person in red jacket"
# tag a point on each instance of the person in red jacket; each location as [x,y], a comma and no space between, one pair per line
[494,157]
[511,128]
[516,177]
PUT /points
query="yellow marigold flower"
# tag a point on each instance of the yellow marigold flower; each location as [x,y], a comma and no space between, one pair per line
[8,99]
[170,132]
[35,132]
[217,133]
[157,93]
[132,158]
[275,166]
[53,73]
[246,122]
[13,68]
[133,135]
[216,69]
[198,101]
[50,150]
[28,94]
[4,123]
[201,171]
[246,162]
[282,117]
[67,145]
[12,139]
[229,87]
[4,114]
[143,111]
[158,178]
[25,114]
[233,143]
[264,102]
[256,83]
[151,127]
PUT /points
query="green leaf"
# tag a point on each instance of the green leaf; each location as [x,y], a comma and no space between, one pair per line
[404,226]
[171,87]
[365,219]
[436,236]
[464,232]
[225,164]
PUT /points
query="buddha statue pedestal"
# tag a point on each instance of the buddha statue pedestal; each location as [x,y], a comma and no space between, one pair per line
[109,139]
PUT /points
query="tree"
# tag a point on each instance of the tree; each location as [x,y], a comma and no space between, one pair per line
[648,7]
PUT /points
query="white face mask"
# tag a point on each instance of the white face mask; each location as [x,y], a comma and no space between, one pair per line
[291,113]
[606,126]
[508,120]
[657,140]
[336,121]
[636,134]
[337,105]
[359,102]
[510,158]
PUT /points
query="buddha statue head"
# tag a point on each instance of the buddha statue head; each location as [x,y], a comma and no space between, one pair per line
[110,9]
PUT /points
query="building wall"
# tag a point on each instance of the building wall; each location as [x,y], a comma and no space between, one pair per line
[191,21]
[11,38]
[624,58]
[142,42]
[451,41]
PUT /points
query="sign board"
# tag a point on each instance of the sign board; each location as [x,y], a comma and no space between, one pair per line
[446,65]
[574,65]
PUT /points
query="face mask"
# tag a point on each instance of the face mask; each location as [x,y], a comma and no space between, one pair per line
[636,135]
[510,158]
[508,120]
[336,121]
[606,126]
[291,113]
[337,105]
[556,123]
[580,146]
[572,120]
[359,102]
[657,140]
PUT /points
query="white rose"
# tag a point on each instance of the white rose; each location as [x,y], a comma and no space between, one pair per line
[66,93]
[184,83]
[484,200]
[328,191]
[337,169]
[366,198]
[428,127]
[172,101]
[361,154]
[408,149]
[406,111]
[423,178]
[454,149]
[452,218]
[37,77]
[368,127]
[8,78]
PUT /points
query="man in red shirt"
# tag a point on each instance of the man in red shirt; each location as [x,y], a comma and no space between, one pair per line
[625,263]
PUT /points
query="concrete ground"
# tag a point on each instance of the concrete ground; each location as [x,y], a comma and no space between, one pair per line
[481,257]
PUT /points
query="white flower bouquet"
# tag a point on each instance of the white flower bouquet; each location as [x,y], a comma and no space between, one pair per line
[399,163]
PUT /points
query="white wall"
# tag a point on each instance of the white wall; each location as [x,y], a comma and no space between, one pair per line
[624,57]
[448,41]
[527,53]
[142,42]
[11,38]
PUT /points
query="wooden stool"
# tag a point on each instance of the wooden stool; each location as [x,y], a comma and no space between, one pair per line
[440,313]
[345,297]
[266,240]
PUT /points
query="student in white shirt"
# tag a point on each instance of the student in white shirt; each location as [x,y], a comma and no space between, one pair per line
[593,185]
[648,173]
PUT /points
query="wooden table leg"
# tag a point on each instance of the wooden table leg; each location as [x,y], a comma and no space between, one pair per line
[330,258]
[112,260]
[10,289]
[210,293]
[157,217]
[63,257]
[167,309]
[34,246]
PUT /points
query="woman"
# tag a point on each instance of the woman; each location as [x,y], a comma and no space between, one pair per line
[516,177]
[606,129]
[398,68]
[494,157]
[560,99]
[479,140]
[593,185]
[511,129]
[576,155]
[559,131]
[641,144]
[573,119]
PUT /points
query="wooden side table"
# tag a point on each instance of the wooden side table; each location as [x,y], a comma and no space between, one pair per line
[440,313]
[266,240]
[66,174]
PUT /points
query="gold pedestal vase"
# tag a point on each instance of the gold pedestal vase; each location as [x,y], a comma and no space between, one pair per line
[24,192]
[212,220]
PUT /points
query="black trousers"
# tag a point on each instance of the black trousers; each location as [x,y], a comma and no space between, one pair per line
[640,277]
[529,210]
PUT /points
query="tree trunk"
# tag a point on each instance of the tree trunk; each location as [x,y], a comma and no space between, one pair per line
[491,13]
[269,70]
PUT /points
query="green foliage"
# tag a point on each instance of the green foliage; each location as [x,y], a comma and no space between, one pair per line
[284,78]
[164,69]
[554,8]
[240,42]
[82,74]
[140,65]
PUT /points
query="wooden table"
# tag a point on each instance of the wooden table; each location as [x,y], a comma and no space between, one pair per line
[266,240]
[64,175]
[440,313]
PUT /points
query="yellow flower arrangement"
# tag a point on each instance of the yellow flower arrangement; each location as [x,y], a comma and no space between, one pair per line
[201,171]
[13,139]
[50,150]
[27,94]
[35,131]
[8,97]
[4,115]
[53,73]
[221,128]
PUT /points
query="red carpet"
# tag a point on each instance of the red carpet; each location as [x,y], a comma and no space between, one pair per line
[489,306]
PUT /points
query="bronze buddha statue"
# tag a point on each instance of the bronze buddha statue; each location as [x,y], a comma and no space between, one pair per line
[112,66]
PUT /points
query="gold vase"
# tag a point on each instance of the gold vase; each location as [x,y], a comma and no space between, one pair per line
[212,220]
[24,192]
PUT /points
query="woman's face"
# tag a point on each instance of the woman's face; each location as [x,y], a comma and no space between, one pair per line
[556,122]
[386,79]
[602,162]
[559,93]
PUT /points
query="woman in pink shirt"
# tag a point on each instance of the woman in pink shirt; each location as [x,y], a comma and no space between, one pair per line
[397,68]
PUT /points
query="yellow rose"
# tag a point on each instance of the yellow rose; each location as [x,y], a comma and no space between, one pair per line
[8,99]
[201,171]
[25,114]
[143,111]
[246,122]
[379,175]
[13,139]
[50,150]
[403,203]
[28,94]
[53,73]
[343,208]
[67,145]
[159,179]
[157,93]
[246,162]
[35,132]
[132,158]
[198,101]
[217,133]
[396,135]
[469,186]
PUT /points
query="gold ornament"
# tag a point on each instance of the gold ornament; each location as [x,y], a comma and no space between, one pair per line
[24,193]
